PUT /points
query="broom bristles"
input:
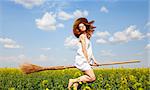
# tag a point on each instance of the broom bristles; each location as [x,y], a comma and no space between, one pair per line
[29,68]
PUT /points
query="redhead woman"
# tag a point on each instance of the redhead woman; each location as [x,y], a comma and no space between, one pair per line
[83,30]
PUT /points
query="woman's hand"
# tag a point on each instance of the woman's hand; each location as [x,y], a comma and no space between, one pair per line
[96,63]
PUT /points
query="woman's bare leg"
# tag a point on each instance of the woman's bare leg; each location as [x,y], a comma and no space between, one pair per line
[75,85]
[88,77]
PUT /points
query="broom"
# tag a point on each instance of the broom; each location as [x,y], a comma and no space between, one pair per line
[28,68]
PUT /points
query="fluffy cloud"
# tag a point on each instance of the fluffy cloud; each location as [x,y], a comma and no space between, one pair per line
[71,42]
[79,13]
[147,46]
[104,9]
[101,41]
[64,16]
[133,32]
[148,35]
[76,14]
[48,22]
[9,43]
[102,37]
[60,25]
[29,3]
[11,46]
[104,34]
[119,37]
[130,33]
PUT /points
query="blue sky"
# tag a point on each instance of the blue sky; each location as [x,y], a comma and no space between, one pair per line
[40,31]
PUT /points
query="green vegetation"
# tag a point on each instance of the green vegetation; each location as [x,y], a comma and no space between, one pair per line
[107,79]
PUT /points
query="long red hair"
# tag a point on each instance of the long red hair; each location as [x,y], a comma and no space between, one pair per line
[89,27]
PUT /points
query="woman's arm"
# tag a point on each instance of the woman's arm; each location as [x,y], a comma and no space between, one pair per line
[83,43]
[95,61]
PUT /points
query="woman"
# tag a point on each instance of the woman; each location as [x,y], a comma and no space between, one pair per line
[83,30]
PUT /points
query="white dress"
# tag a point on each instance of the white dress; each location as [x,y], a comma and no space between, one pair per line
[80,60]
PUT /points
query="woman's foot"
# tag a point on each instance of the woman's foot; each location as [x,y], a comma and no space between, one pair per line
[71,81]
[75,86]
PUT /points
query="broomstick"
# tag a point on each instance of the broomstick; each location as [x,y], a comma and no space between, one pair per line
[30,68]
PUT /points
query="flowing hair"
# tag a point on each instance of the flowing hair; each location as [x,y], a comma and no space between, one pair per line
[89,27]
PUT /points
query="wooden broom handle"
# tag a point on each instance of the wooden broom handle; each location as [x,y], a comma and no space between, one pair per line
[114,63]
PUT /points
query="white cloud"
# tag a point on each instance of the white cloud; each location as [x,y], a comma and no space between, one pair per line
[48,22]
[133,33]
[64,16]
[101,41]
[148,35]
[104,9]
[54,5]
[60,25]
[71,42]
[119,37]
[102,37]
[147,46]
[104,34]
[45,49]
[9,43]
[29,3]
[130,33]
[11,46]
[106,53]
[79,13]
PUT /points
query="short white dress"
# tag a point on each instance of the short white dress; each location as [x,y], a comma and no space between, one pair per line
[80,60]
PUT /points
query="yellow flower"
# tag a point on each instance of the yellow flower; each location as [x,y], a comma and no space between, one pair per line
[12,88]
[46,89]
[87,88]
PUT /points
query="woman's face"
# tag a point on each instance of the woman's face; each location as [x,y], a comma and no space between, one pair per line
[82,27]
